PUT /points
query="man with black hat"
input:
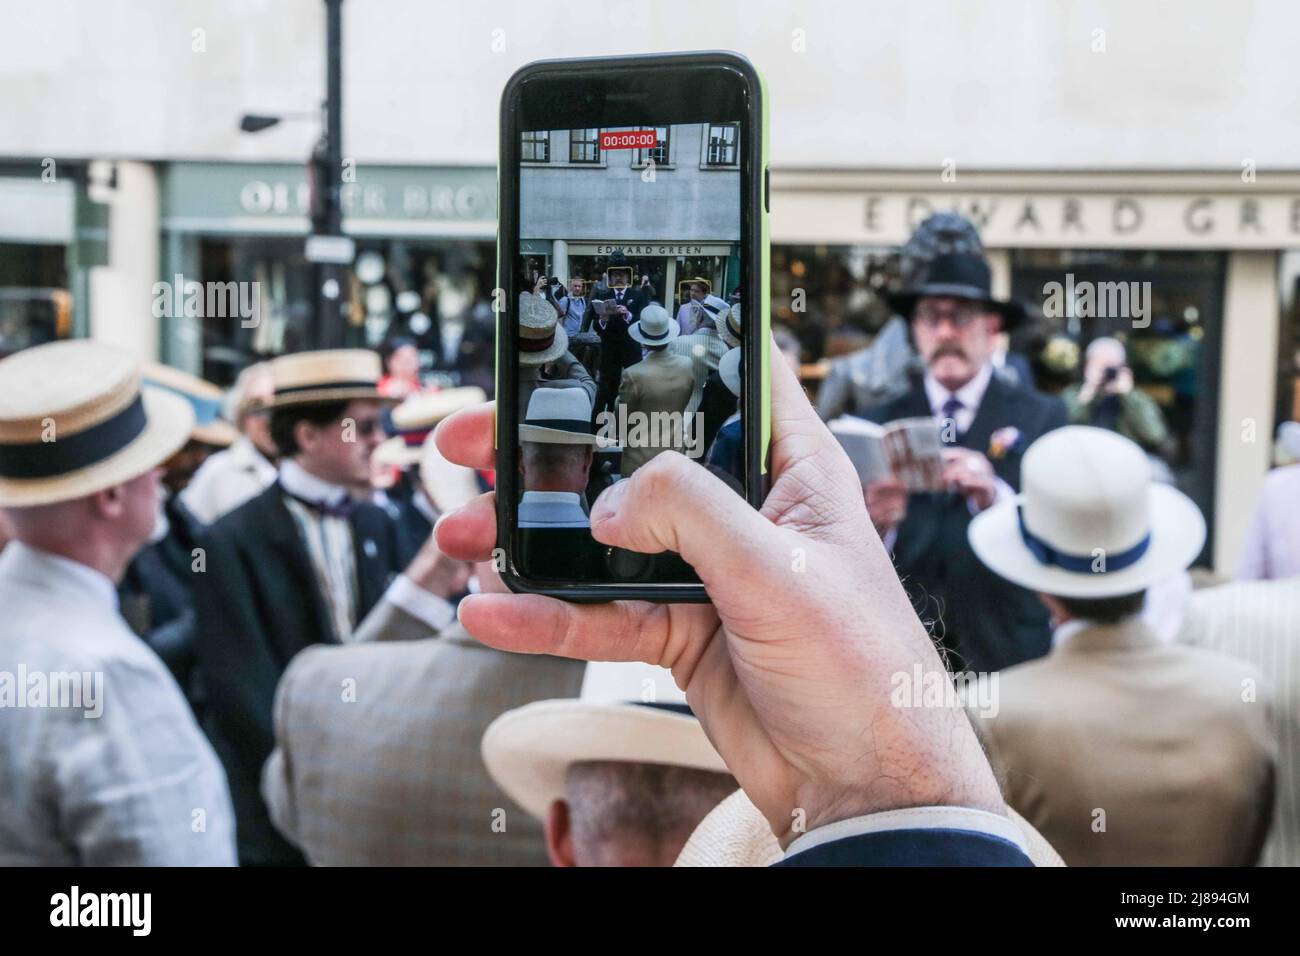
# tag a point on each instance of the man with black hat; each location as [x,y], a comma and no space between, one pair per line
[618,350]
[300,564]
[986,424]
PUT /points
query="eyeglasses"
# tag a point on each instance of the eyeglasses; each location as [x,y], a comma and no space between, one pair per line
[960,318]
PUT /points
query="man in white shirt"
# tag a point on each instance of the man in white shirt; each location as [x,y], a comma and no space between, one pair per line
[230,477]
[101,762]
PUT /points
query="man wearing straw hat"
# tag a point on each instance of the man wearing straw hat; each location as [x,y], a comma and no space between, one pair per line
[1122,750]
[110,768]
[300,564]
[660,383]
[544,357]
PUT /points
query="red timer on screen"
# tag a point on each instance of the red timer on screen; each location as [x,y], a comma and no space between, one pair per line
[630,139]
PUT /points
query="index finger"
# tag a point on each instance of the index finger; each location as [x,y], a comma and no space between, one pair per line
[468,437]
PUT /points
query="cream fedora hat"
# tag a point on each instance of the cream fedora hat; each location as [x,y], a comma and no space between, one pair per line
[529,750]
[655,327]
[205,398]
[559,415]
[735,833]
[541,337]
[331,375]
[1089,522]
[75,418]
[414,420]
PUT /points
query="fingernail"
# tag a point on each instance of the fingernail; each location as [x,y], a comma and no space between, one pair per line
[610,501]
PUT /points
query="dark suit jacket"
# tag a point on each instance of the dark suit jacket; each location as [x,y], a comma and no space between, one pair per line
[988,622]
[936,847]
[258,604]
[617,348]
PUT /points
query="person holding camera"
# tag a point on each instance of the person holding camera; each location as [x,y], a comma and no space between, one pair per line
[1107,399]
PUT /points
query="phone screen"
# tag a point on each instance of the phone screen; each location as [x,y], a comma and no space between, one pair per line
[640,221]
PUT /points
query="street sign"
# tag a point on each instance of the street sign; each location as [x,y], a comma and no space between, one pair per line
[331,250]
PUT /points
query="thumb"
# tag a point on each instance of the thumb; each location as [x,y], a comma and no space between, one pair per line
[675,504]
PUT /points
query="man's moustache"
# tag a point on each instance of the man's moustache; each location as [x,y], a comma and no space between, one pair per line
[943,350]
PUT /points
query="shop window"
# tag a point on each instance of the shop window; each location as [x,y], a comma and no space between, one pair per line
[659,154]
[584,146]
[536,147]
[722,146]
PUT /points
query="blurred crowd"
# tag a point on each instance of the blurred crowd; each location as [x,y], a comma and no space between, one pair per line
[254,575]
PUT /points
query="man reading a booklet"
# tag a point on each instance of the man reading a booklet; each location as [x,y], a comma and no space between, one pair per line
[949,448]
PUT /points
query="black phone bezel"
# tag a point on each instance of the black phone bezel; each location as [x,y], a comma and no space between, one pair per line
[548,84]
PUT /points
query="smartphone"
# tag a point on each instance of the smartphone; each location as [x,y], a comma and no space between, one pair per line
[610,167]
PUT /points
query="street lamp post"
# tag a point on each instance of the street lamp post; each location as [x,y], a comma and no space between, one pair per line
[327,249]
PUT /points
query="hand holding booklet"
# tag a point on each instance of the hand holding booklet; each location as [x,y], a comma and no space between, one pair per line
[909,450]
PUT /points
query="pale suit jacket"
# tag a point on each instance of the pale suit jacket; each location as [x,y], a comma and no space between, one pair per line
[705,349]
[1259,622]
[377,758]
[137,783]
[661,382]
[1123,751]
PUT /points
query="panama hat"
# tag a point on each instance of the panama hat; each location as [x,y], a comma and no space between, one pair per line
[958,275]
[656,326]
[411,422]
[75,418]
[331,375]
[625,712]
[541,337]
[1089,522]
[559,415]
[729,371]
[204,397]
[728,325]
[735,833]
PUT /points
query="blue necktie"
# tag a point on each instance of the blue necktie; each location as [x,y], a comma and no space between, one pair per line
[950,410]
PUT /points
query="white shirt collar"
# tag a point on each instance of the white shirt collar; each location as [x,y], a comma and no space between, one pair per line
[554,497]
[1067,630]
[970,395]
[424,506]
[298,481]
[98,583]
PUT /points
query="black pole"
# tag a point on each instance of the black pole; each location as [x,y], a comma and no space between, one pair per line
[330,288]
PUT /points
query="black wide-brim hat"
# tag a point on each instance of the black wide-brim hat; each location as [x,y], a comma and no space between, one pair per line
[958,275]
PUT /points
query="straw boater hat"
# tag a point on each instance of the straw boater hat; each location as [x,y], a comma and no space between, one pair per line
[559,415]
[735,833]
[1089,521]
[528,750]
[728,325]
[333,375]
[204,397]
[541,337]
[76,419]
[656,326]
[413,421]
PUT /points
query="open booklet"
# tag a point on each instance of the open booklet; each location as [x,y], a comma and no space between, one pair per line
[909,449]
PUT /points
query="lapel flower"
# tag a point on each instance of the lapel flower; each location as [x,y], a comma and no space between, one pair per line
[1004,440]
